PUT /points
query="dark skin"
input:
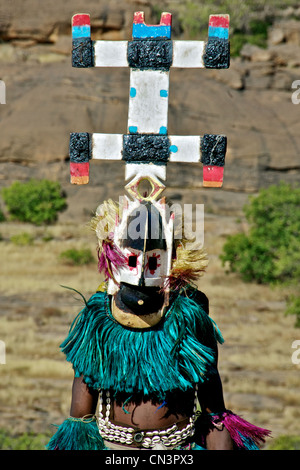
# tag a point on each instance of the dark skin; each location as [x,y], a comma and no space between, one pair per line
[145,414]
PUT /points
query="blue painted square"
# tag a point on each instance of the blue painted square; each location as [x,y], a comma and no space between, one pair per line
[218,32]
[81,31]
[141,30]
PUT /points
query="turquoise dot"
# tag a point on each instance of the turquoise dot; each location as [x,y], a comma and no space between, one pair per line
[133,129]
[164,93]
[132,92]
[162,130]
[173,148]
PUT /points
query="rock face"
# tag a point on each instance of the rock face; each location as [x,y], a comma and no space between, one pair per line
[43,24]
[46,100]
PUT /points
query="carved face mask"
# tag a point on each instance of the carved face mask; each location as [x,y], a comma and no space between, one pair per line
[140,257]
[143,237]
[143,244]
[141,240]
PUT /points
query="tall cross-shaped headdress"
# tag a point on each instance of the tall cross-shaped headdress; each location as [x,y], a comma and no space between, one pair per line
[150,55]
[147,148]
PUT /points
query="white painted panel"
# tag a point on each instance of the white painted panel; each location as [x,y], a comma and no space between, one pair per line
[145,169]
[107,146]
[148,102]
[110,53]
[188,54]
[185,148]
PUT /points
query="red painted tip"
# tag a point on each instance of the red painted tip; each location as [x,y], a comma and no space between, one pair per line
[81,19]
[139,17]
[219,20]
[213,174]
[79,169]
[166,19]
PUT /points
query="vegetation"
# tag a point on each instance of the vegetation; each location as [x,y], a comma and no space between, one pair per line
[36,201]
[2,216]
[257,35]
[22,239]
[77,257]
[26,441]
[270,252]
[249,20]
[285,443]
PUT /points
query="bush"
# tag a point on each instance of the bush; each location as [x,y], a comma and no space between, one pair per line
[270,252]
[22,239]
[37,201]
[249,258]
[293,308]
[249,22]
[77,257]
[256,33]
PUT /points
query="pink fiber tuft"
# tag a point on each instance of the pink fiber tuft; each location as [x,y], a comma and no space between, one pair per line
[237,426]
[110,258]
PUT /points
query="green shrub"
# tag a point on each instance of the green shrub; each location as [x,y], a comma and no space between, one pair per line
[36,201]
[293,308]
[270,252]
[22,239]
[245,24]
[251,259]
[77,257]
[255,33]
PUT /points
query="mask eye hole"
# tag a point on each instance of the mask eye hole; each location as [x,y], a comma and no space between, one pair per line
[152,263]
[132,261]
